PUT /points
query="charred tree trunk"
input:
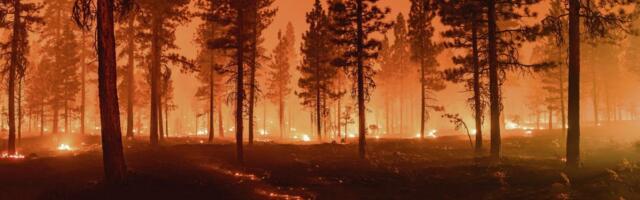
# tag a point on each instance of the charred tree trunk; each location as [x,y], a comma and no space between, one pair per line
[83,88]
[42,119]
[211,102]
[220,126]
[494,88]
[573,134]
[54,126]
[240,42]
[20,80]
[156,50]
[360,73]
[114,163]
[477,95]
[318,103]
[13,74]
[423,98]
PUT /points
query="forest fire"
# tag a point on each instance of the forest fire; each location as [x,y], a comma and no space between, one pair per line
[319,99]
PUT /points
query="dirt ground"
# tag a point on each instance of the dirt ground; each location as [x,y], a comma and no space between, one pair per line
[443,168]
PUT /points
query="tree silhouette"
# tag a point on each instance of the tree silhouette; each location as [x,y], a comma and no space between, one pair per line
[353,23]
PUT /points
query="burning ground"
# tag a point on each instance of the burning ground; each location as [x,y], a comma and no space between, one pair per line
[440,168]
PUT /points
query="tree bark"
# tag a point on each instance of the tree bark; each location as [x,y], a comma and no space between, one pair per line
[240,42]
[156,50]
[83,88]
[13,67]
[211,102]
[114,163]
[494,88]
[360,73]
[477,101]
[573,132]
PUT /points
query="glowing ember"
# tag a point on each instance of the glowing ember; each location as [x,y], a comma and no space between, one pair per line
[64,147]
[12,156]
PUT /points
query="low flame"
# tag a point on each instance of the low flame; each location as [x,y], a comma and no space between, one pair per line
[306,138]
[64,147]
[12,156]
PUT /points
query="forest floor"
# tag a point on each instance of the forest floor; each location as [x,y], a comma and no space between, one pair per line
[443,168]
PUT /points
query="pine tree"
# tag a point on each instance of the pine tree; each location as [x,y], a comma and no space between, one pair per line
[114,164]
[467,32]
[603,19]
[160,21]
[209,61]
[318,75]
[261,16]
[279,78]
[425,51]
[24,17]
[353,24]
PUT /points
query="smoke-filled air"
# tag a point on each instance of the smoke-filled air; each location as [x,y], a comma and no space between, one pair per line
[319,99]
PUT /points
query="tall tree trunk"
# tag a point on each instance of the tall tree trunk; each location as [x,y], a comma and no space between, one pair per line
[573,134]
[42,119]
[130,79]
[114,163]
[156,51]
[220,125]
[66,117]
[55,121]
[160,115]
[281,117]
[13,68]
[360,72]
[594,93]
[338,124]
[494,88]
[20,80]
[252,93]
[166,116]
[550,119]
[477,95]
[318,103]
[211,102]
[423,98]
[240,42]
[83,88]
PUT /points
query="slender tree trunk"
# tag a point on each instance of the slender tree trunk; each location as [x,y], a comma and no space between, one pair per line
[240,42]
[220,126]
[338,114]
[156,50]
[318,103]
[594,91]
[114,163]
[494,87]
[19,110]
[360,72]
[42,119]
[550,119]
[281,117]
[160,114]
[55,121]
[573,134]
[423,98]
[13,68]
[477,101]
[211,102]
[130,79]
[166,116]
[83,90]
